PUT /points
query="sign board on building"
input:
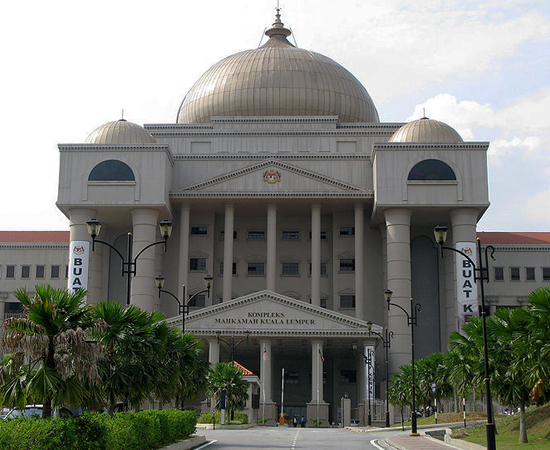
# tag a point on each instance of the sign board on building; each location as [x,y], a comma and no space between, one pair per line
[466,289]
[78,265]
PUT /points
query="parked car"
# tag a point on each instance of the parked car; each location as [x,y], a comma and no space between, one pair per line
[353,423]
[36,410]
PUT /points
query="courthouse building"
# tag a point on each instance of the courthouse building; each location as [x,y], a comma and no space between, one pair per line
[283,184]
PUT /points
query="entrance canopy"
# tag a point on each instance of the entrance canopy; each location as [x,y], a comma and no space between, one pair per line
[266,313]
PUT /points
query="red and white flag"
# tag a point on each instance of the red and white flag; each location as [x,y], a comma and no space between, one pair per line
[321,355]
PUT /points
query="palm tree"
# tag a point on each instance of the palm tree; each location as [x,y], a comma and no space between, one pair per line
[229,377]
[52,338]
[400,392]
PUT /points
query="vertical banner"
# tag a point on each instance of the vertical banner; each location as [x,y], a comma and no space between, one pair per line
[466,289]
[369,350]
[79,261]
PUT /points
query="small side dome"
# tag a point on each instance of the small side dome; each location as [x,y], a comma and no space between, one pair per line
[120,132]
[427,131]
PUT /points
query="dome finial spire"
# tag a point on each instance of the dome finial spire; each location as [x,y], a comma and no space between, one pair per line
[278,27]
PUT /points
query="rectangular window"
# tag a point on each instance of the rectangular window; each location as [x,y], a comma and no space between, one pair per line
[290,268]
[347,231]
[514,274]
[323,303]
[55,271]
[25,271]
[255,268]
[198,301]
[347,265]
[530,273]
[222,234]
[323,235]
[291,235]
[10,271]
[234,268]
[546,273]
[197,264]
[499,273]
[347,301]
[201,231]
[256,235]
[40,271]
[14,307]
[323,268]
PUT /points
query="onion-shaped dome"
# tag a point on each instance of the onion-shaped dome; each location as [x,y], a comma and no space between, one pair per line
[277,79]
[427,131]
[120,132]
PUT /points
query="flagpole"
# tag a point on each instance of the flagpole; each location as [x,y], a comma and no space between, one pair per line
[282,421]
[263,387]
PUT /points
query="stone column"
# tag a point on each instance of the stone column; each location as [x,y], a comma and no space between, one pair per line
[316,255]
[317,409]
[399,281]
[143,284]
[183,272]
[228,244]
[213,359]
[271,247]
[268,409]
[359,262]
[79,232]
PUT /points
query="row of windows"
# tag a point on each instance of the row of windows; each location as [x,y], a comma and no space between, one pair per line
[515,273]
[290,235]
[347,301]
[39,271]
[258,268]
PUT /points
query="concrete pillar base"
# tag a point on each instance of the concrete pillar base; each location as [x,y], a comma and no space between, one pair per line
[267,414]
[317,415]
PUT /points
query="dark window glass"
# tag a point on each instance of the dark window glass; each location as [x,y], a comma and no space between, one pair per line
[255,268]
[55,271]
[291,268]
[234,268]
[111,170]
[40,271]
[546,273]
[323,268]
[291,377]
[323,235]
[10,271]
[197,264]
[222,234]
[323,303]
[499,273]
[514,273]
[256,235]
[198,301]
[431,169]
[291,235]
[347,301]
[14,307]
[25,271]
[530,273]
[199,230]
[347,265]
[347,231]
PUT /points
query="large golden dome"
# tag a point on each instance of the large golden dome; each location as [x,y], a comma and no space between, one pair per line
[277,79]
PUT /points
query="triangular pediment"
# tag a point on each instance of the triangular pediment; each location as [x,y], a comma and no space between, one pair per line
[270,314]
[270,177]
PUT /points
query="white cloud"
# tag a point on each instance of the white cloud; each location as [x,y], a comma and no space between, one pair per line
[538,205]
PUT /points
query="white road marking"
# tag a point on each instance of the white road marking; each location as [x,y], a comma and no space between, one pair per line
[295,439]
[206,445]
[374,444]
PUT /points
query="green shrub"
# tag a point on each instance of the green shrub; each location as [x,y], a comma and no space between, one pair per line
[144,430]
[240,418]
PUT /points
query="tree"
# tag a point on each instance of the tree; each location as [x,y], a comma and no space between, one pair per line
[432,369]
[53,359]
[400,392]
[229,377]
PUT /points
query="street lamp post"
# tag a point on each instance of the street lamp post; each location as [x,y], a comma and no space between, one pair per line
[233,345]
[183,306]
[412,321]
[368,362]
[129,264]
[481,274]
[387,345]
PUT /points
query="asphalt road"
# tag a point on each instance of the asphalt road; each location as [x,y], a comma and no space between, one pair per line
[289,438]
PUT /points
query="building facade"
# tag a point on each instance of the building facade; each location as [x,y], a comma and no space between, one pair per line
[283,184]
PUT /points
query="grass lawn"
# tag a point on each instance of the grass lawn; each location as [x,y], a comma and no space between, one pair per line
[538,431]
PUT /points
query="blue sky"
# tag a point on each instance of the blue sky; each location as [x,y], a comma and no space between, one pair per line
[481,66]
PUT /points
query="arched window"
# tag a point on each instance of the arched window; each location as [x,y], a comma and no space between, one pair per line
[111,170]
[431,169]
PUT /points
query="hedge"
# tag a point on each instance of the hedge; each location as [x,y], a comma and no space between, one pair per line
[240,418]
[144,430]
